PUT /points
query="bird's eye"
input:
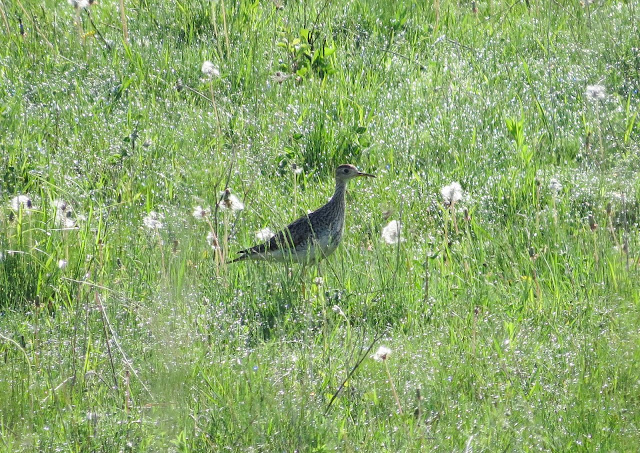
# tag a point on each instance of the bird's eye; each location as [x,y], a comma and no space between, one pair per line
[346,170]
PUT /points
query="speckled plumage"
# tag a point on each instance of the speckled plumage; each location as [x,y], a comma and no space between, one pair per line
[313,236]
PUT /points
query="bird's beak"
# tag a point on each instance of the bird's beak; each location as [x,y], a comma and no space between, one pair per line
[365,174]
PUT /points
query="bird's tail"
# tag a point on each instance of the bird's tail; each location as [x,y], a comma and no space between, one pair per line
[242,257]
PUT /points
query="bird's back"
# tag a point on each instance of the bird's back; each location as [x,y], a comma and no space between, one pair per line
[309,238]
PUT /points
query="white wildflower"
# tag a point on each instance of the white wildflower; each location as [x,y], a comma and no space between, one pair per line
[452,193]
[555,185]
[381,354]
[264,234]
[200,213]
[391,232]
[62,264]
[230,201]
[22,202]
[318,281]
[596,92]
[297,170]
[210,70]
[152,221]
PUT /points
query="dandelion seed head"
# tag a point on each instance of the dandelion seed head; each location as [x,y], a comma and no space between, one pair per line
[210,70]
[67,222]
[318,281]
[555,185]
[61,205]
[230,202]
[153,221]
[264,234]
[381,354]
[22,202]
[62,264]
[296,169]
[596,92]
[451,193]
[391,232]
[64,214]
[80,4]
[200,213]
[280,76]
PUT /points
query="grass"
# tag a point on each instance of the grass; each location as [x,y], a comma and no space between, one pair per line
[512,317]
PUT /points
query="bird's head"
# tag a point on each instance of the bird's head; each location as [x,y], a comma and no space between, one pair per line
[346,172]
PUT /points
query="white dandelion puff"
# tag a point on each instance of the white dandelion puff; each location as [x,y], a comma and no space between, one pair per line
[318,281]
[555,185]
[80,4]
[264,234]
[381,354]
[210,70]
[153,221]
[64,214]
[61,205]
[22,202]
[391,232]
[280,76]
[452,193]
[67,223]
[596,92]
[62,264]
[297,170]
[200,213]
[230,202]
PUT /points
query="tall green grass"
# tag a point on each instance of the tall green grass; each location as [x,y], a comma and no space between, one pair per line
[511,317]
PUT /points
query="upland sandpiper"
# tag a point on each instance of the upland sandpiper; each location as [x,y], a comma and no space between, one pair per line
[313,236]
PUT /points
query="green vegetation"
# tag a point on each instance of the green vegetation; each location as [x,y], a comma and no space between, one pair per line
[512,314]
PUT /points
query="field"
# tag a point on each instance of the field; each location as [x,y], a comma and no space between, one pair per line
[500,315]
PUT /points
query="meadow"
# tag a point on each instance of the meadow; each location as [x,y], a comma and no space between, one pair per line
[502,314]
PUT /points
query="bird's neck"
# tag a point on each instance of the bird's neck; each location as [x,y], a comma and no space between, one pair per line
[338,195]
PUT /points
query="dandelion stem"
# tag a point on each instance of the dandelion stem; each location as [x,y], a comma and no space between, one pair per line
[215,111]
[393,387]
[123,19]
[214,21]
[224,25]
[452,208]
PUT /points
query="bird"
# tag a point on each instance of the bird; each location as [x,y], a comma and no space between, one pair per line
[313,236]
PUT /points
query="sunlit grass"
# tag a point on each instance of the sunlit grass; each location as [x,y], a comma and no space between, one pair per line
[510,310]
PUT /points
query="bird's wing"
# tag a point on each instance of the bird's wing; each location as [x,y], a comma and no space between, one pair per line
[293,234]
